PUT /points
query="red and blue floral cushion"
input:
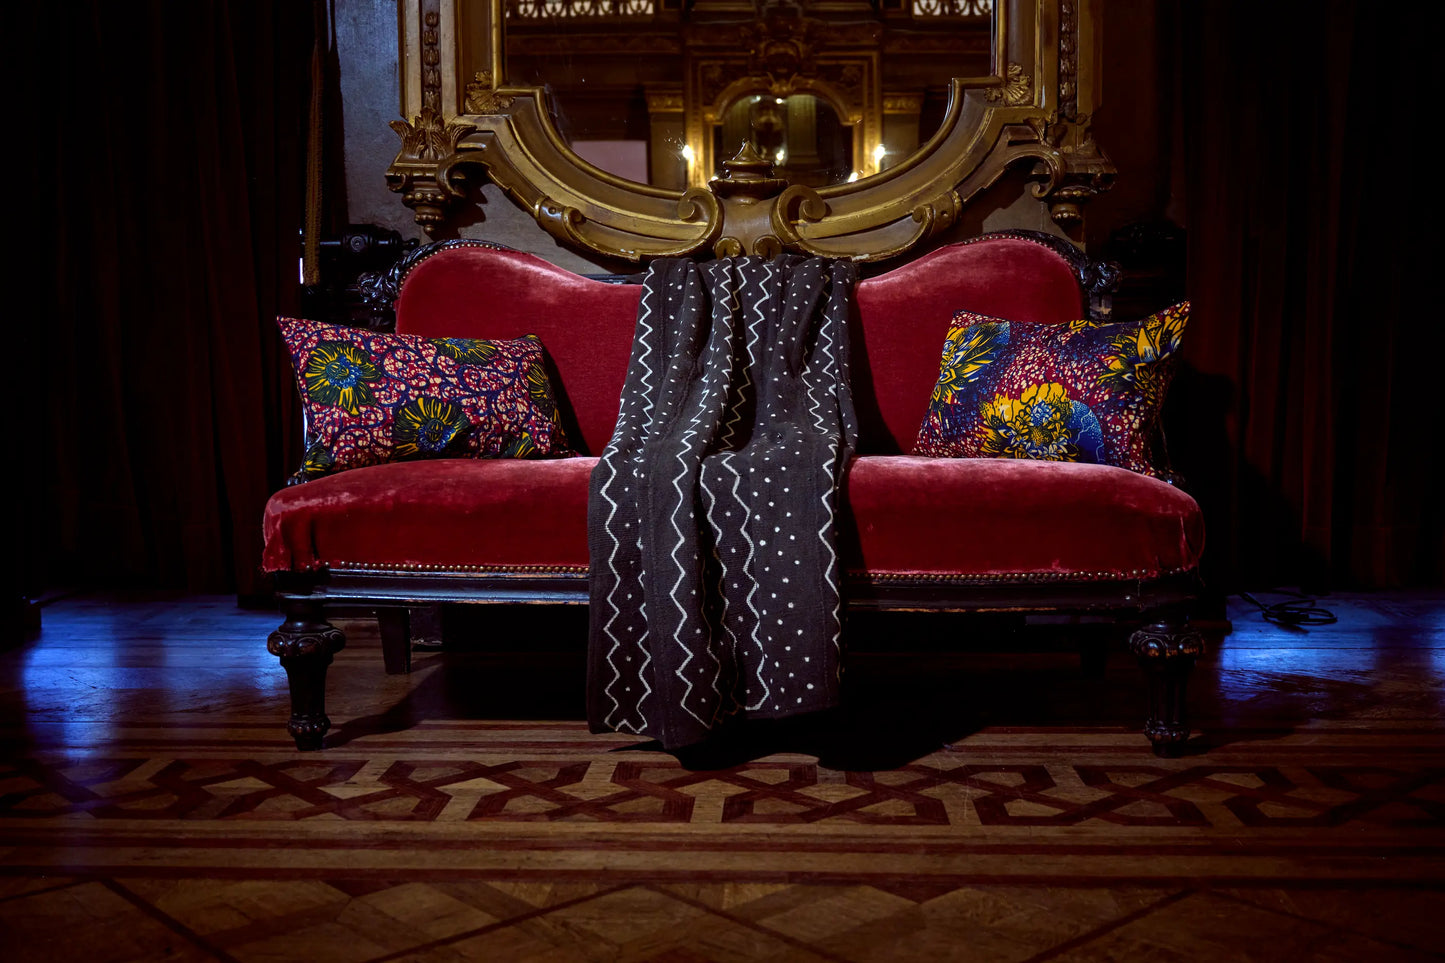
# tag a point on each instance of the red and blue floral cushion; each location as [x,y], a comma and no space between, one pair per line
[371,397]
[1083,391]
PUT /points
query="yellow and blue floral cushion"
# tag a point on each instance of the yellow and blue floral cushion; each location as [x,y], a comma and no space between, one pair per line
[1082,391]
[371,397]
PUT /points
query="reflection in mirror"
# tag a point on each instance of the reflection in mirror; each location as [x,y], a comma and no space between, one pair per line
[663,91]
[801,134]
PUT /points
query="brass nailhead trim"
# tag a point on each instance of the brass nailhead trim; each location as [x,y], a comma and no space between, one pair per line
[941,577]
[449,246]
[1030,577]
[475,569]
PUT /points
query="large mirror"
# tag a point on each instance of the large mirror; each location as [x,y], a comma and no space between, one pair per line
[640,128]
[663,92]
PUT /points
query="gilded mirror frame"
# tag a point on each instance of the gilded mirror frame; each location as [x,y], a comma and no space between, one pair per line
[1032,112]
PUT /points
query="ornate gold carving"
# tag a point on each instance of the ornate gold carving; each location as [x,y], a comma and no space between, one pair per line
[1068,60]
[991,126]
[747,176]
[1017,89]
[780,54]
[431,58]
[428,198]
[577,204]
[559,220]
[697,205]
[416,173]
[952,8]
[902,103]
[482,97]
[767,246]
[1074,168]
[577,9]
[798,205]
[781,51]
[939,213]
[781,45]
[712,80]
[664,102]
[428,138]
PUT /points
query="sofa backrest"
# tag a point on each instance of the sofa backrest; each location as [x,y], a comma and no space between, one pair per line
[904,315]
[587,325]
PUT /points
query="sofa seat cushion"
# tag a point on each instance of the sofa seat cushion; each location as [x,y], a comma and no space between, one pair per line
[486,514]
[982,518]
[1000,517]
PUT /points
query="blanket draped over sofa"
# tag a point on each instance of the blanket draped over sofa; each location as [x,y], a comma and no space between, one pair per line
[715,579]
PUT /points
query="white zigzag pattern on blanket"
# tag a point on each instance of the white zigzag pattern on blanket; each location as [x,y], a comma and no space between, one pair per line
[685,499]
[649,337]
[612,450]
[742,391]
[726,704]
[830,571]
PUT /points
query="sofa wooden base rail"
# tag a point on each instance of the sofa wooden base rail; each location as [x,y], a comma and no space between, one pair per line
[1165,643]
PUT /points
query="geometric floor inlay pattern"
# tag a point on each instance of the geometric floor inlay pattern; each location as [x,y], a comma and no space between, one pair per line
[549,802]
[776,793]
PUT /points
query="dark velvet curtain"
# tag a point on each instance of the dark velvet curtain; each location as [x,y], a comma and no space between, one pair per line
[168,193]
[1309,419]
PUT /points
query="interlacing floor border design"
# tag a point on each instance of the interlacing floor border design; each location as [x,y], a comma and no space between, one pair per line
[763,793]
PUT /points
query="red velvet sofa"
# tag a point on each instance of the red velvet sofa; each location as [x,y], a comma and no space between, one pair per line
[918,533]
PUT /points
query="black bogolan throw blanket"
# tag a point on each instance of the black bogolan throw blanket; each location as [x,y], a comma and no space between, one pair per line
[715,578]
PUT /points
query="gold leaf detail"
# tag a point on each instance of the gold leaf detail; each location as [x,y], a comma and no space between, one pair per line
[482,98]
[1017,89]
[427,138]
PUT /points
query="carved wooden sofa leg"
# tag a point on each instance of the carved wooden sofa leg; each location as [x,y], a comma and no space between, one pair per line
[1166,650]
[305,643]
[395,625]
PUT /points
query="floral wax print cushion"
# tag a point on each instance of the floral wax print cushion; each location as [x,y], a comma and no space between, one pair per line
[1082,391]
[371,397]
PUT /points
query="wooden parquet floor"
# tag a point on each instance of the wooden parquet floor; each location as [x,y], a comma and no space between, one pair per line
[982,800]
